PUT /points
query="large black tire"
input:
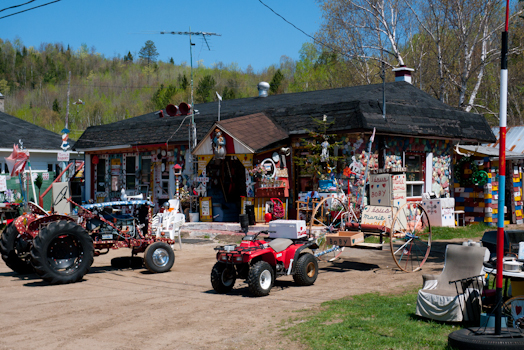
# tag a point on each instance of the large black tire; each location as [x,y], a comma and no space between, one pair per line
[223,277]
[466,339]
[15,251]
[159,257]
[62,252]
[306,270]
[260,279]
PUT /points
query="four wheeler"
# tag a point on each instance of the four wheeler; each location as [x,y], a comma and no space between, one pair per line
[260,261]
[60,248]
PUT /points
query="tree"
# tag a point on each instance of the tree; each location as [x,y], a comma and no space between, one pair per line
[276,82]
[183,82]
[56,106]
[162,97]
[172,61]
[128,57]
[205,87]
[312,161]
[148,52]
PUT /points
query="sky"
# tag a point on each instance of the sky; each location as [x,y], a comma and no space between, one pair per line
[251,34]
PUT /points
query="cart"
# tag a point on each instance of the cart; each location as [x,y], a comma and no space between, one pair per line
[406,229]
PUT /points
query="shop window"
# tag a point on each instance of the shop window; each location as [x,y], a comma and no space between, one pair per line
[145,170]
[101,176]
[414,175]
[130,173]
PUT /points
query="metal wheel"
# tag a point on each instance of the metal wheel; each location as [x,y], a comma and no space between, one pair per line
[410,237]
[329,216]
[513,309]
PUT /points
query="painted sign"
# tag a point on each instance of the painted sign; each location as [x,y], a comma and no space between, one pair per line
[3,184]
[377,216]
[62,156]
[206,213]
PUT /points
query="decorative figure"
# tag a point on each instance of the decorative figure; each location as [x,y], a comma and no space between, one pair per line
[219,144]
[324,156]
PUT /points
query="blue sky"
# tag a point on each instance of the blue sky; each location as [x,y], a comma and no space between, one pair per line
[251,33]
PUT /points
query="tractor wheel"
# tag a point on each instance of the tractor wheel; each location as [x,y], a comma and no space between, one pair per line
[223,277]
[62,252]
[260,279]
[306,270]
[159,257]
[15,251]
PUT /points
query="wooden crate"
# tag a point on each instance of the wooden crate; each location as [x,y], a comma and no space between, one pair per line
[345,238]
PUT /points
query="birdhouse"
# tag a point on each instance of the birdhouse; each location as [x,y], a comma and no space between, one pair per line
[177,169]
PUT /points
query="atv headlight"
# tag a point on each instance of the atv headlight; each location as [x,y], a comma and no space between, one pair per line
[238,258]
[223,257]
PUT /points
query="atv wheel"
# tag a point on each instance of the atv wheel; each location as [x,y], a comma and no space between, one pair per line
[223,277]
[159,257]
[260,279]
[306,270]
[15,251]
[62,252]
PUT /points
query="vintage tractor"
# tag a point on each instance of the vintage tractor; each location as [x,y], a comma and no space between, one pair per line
[260,261]
[60,248]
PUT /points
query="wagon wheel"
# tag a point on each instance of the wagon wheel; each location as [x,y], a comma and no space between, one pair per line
[410,237]
[325,221]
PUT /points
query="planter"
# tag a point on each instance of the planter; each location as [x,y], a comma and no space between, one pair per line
[194,217]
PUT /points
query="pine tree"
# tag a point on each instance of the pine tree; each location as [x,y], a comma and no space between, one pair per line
[148,52]
[56,106]
[172,61]
[276,82]
[309,160]
[204,88]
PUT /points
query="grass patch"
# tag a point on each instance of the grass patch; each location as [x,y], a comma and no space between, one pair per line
[370,321]
[445,233]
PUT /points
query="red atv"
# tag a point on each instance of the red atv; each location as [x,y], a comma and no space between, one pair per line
[260,261]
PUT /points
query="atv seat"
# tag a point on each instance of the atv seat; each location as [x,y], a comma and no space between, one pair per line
[280,244]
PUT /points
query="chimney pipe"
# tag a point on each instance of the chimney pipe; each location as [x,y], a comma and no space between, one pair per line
[403,73]
[263,89]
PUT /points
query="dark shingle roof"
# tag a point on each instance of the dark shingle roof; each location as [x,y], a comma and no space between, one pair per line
[243,128]
[410,112]
[34,137]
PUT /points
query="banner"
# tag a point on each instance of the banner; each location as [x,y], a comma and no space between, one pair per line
[245,159]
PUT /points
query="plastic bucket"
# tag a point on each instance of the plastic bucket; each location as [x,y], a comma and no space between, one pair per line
[194,217]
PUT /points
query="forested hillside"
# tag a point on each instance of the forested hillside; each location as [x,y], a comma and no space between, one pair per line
[456,63]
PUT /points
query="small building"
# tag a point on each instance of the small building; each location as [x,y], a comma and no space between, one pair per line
[417,132]
[43,146]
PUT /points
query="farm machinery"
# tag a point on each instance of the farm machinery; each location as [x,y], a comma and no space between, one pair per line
[61,248]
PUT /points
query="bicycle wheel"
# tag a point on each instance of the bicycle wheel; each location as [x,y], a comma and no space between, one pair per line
[513,309]
[410,237]
[328,217]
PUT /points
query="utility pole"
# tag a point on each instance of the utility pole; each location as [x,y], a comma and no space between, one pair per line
[192,126]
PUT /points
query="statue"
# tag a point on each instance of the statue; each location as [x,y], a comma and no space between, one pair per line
[219,145]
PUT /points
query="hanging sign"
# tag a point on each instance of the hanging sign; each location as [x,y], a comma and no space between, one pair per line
[115,166]
[45,176]
[62,156]
[202,162]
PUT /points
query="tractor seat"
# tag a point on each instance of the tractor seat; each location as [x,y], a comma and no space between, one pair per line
[280,244]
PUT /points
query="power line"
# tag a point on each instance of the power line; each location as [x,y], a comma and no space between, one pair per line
[32,8]
[12,7]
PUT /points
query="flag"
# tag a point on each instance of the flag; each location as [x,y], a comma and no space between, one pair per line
[372,136]
[17,160]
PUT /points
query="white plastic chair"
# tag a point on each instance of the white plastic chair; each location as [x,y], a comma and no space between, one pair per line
[170,224]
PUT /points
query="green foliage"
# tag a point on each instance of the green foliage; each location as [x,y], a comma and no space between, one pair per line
[205,89]
[163,96]
[128,57]
[369,321]
[309,159]
[275,87]
[148,52]
[172,61]
[183,83]
[56,106]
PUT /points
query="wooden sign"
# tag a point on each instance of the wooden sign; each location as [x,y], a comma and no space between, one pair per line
[377,216]
[206,209]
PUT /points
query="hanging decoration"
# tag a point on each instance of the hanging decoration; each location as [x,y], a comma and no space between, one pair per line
[466,165]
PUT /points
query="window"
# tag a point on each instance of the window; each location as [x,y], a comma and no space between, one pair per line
[101,176]
[414,175]
[130,173]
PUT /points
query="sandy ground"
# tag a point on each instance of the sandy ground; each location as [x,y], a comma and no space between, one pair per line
[134,309]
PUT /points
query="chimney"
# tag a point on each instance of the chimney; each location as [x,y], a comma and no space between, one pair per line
[403,73]
[263,89]
[1,103]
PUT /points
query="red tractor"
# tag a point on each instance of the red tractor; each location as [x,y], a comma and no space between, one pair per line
[60,248]
[260,261]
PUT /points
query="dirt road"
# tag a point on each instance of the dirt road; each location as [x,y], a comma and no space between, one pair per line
[133,309]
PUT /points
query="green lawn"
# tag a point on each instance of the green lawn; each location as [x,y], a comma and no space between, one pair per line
[369,321]
[374,321]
